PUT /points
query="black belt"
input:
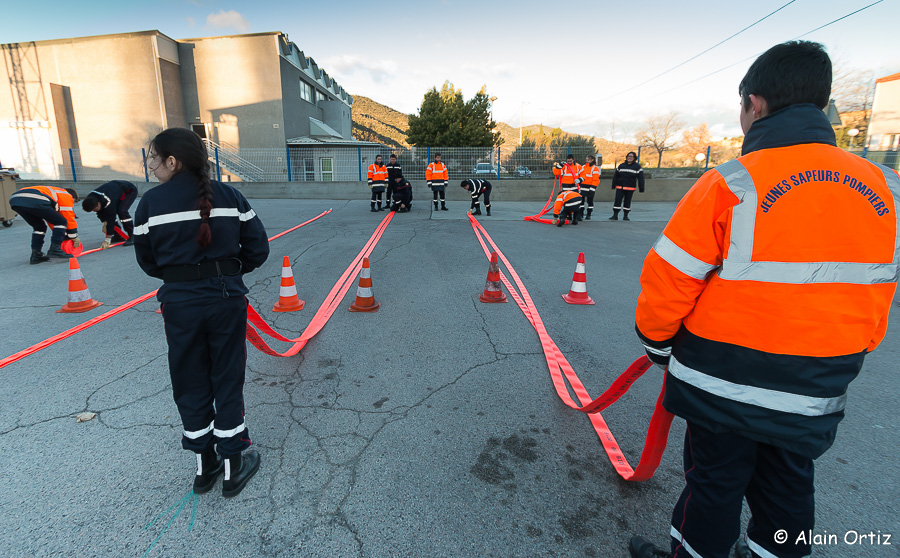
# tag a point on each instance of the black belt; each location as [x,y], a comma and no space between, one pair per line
[204,270]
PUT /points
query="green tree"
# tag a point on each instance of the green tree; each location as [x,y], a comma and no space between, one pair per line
[445,119]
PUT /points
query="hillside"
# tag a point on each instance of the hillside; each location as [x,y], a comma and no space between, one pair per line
[376,122]
[373,121]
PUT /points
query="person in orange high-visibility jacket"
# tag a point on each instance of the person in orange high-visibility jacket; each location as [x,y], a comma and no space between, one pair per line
[43,205]
[762,297]
[377,177]
[567,206]
[569,174]
[437,176]
[590,179]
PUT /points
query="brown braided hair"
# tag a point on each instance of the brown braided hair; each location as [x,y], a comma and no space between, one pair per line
[188,149]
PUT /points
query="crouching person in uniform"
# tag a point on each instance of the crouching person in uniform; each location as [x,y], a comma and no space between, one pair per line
[201,255]
[476,188]
[40,205]
[567,206]
[110,201]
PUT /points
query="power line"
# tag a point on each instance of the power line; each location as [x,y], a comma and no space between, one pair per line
[700,54]
[759,53]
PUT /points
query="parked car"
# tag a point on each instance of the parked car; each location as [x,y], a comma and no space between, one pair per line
[522,172]
[483,168]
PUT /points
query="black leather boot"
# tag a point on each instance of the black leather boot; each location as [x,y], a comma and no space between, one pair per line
[639,547]
[373,210]
[37,257]
[443,206]
[625,218]
[477,210]
[488,209]
[588,216]
[209,467]
[435,205]
[56,251]
[238,471]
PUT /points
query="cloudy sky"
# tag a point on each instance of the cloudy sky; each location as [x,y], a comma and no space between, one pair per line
[588,67]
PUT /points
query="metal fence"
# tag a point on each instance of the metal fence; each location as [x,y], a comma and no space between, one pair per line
[323,163]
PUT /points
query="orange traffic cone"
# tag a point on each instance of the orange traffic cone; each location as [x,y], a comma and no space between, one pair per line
[365,300]
[492,291]
[79,296]
[288,301]
[578,293]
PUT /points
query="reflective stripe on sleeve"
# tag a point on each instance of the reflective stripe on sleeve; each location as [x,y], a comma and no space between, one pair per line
[661,352]
[681,260]
[142,229]
[762,552]
[198,433]
[759,397]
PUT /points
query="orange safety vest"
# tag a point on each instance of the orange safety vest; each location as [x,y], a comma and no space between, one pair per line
[437,172]
[377,174]
[567,174]
[568,199]
[590,174]
[770,283]
[62,202]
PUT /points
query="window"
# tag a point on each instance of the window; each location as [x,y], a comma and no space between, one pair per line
[309,170]
[326,164]
[306,92]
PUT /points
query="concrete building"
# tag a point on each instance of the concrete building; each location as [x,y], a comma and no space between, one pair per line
[93,103]
[884,124]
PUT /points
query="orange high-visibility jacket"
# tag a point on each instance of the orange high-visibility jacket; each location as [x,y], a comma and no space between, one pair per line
[58,198]
[377,175]
[590,176]
[436,172]
[568,199]
[769,285]
[568,175]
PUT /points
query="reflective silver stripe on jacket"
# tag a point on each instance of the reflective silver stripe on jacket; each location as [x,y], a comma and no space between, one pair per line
[738,266]
[681,260]
[103,195]
[759,397]
[192,216]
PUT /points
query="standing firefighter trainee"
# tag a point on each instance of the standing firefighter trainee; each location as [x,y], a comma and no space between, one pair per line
[767,289]
[200,237]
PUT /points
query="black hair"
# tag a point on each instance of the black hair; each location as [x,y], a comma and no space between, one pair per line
[788,74]
[188,149]
[592,158]
[392,156]
[631,153]
[72,193]
[570,156]
[464,184]
[437,154]
[90,203]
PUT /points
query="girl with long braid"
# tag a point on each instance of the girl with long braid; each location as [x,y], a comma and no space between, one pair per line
[200,236]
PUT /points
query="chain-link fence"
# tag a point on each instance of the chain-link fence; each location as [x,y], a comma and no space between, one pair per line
[339,163]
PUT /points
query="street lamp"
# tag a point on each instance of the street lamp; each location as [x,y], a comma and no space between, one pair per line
[699,158]
[853,132]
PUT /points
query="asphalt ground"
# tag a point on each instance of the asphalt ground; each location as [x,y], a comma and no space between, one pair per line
[429,428]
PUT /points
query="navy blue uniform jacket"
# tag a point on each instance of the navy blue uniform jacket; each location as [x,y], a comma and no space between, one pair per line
[167,223]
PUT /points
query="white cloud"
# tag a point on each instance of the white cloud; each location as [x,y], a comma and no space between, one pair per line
[228,20]
[347,65]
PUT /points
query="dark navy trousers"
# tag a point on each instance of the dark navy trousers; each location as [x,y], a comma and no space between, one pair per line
[207,358]
[721,469]
[37,218]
